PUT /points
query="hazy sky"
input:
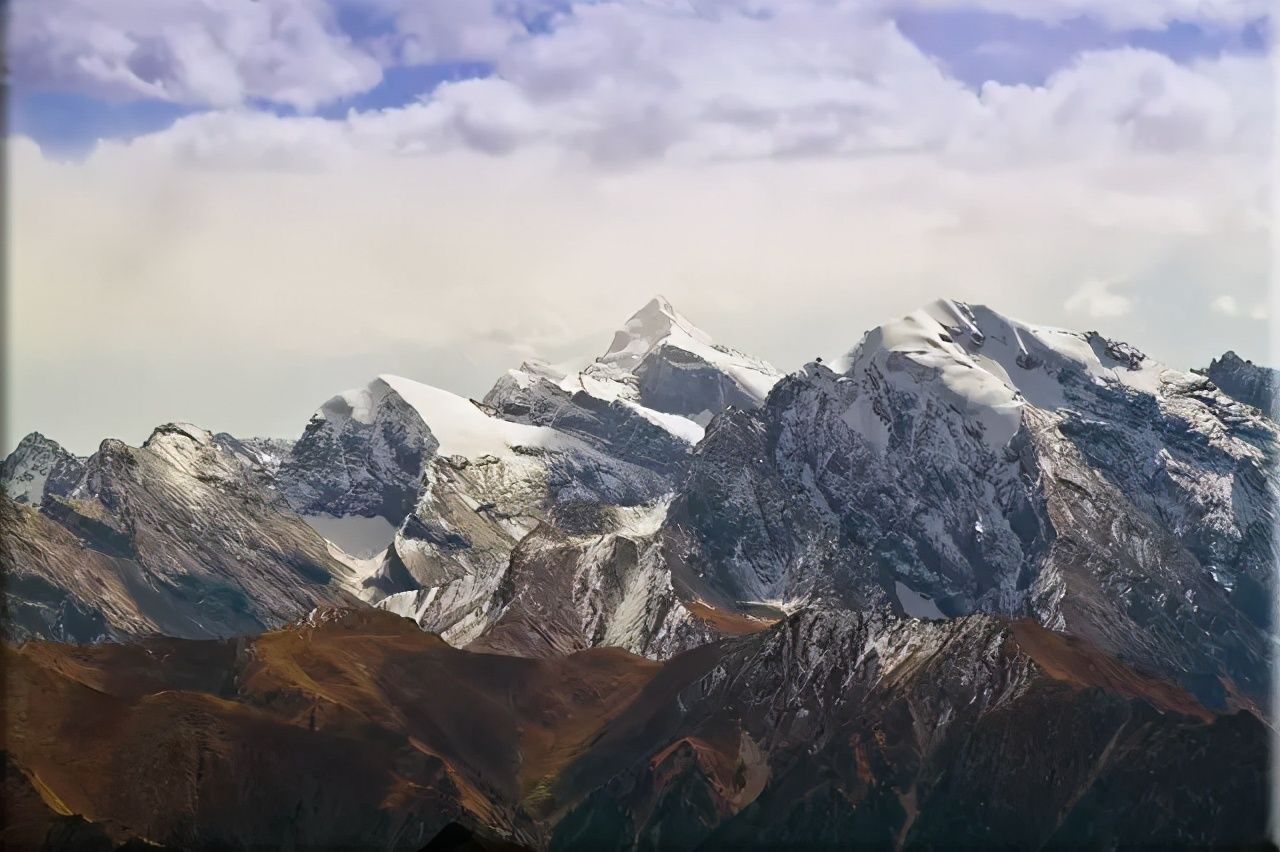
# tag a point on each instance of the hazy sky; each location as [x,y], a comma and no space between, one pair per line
[225,212]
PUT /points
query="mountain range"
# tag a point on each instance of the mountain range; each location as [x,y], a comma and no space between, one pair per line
[981,582]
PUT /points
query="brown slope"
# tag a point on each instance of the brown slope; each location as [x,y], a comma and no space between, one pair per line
[354,727]
[1072,660]
[354,724]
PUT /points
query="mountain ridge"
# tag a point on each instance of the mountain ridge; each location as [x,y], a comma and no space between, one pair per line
[979,579]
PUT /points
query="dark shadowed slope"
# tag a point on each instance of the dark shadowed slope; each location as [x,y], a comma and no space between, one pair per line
[356,728]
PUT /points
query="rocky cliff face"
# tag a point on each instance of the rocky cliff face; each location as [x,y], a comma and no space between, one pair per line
[1244,381]
[564,592]
[363,453]
[965,462]
[173,537]
[539,395]
[481,496]
[262,456]
[38,466]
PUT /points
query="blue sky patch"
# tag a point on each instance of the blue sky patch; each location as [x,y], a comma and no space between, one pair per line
[977,46]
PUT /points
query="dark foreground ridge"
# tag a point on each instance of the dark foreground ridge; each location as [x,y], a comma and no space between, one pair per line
[355,729]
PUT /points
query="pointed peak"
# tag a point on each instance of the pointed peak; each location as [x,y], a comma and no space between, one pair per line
[651,326]
[35,464]
[39,439]
[37,445]
[30,449]
[33,440]
[659,310]
[658,304]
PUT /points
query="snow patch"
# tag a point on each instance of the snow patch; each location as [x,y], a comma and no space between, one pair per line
[463,429]
[682,427]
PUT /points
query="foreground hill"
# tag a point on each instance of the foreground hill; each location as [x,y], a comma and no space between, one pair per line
[356,729]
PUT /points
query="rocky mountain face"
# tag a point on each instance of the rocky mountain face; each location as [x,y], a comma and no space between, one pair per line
[173,537]
[490,485]
[36,466]
[539,395]
[838,729]
[980,582]
[1244,381]
[564,592]
[463,483]
[965,462]
[354,728]
[262,456]
[363,453]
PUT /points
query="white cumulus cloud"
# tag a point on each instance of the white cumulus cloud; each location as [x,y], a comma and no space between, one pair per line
[1098,299]
[1225,305]
[790,174]
[189,51]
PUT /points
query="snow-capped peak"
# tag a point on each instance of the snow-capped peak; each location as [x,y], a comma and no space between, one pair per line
[534,369]
[660,366]
[654,324]
[990,365]
[358,404]
[461,427]
[34,465]
[659,326]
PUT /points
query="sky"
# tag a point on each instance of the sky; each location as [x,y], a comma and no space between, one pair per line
[225,213]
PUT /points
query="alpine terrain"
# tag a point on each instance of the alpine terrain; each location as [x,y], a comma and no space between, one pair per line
[981,583]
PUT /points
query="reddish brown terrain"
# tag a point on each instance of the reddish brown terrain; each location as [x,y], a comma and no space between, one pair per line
[356,729]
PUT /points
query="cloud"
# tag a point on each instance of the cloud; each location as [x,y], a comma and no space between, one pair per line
[1124,98]
[297,53]
[1225,305]
[828,71]
[1132,14]
[1229,306]
[790,175]
[187,51]
[1096,299]
[618,86]
[450,30]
